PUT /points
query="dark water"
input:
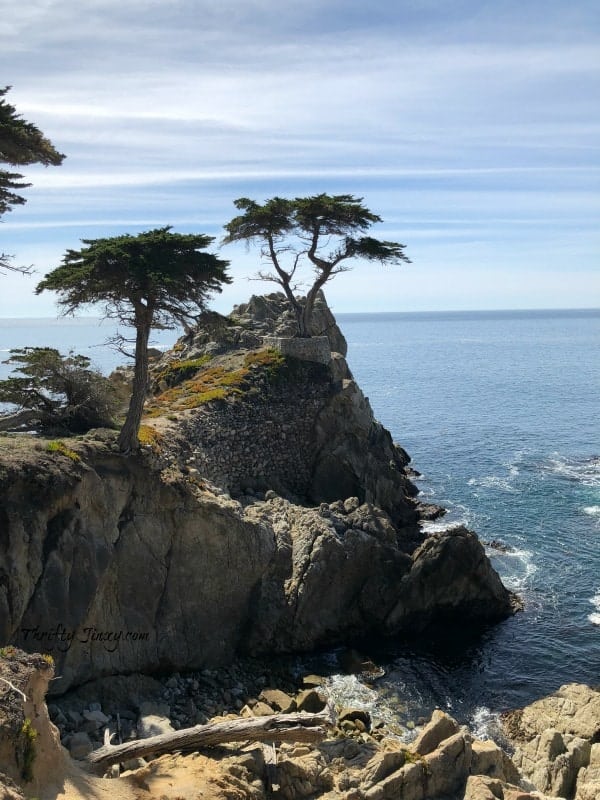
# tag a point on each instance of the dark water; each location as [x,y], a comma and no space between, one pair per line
[500,411]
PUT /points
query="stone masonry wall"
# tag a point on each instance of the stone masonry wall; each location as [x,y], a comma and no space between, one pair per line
[317,348]
[262,440]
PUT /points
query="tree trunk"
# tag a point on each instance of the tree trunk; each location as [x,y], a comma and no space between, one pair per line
[128,437]
[298,311]
[276,728]
[307,311]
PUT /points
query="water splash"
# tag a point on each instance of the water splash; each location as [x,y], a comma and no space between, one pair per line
[594,617]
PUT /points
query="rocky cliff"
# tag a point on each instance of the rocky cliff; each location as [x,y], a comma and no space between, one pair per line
[268,512]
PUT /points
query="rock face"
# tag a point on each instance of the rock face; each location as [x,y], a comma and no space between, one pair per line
[30,751]
[306,430]
[557,742]
[114,569]
[137,564]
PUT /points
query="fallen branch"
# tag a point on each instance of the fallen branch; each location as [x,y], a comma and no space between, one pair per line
[14,688]
[309,728]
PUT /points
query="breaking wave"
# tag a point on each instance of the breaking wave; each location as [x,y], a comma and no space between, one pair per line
[594,617]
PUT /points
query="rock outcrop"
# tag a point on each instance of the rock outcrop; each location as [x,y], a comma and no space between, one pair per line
[557,742]
[30,750]
[270,512]
[354,763]
[116,567]
[299,427]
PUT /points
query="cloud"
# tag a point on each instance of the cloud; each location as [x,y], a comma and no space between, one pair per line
[480,114]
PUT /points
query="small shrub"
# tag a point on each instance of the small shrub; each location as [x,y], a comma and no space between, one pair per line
[59,446]
[150,437]
[270,358]
[177,371]
[28,737]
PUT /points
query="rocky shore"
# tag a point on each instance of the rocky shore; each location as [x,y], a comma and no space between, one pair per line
[550,748]
[267,514]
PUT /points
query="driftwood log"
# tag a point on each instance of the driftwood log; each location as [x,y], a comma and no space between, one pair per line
[302,727]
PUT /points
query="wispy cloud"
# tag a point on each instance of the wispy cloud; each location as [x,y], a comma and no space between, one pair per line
[479,113]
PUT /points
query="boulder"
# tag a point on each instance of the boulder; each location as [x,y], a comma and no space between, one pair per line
[554,741]
[80,745]
[588,779]
[441,726]
[572,709]
[447,767]
[278,700]
[310,700]
[489,759]
[154,720]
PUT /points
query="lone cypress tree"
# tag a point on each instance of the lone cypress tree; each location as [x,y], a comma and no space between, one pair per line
[322,230]
[153,280]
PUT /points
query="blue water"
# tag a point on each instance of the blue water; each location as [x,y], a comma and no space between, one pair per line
[84,335]
[500,412]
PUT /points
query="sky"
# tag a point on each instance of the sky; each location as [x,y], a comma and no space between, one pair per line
[472,127]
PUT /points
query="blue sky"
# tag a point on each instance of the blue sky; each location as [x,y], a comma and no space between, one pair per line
[471,127]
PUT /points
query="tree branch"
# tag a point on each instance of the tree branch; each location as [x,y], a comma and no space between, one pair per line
[14,688]
[300,727]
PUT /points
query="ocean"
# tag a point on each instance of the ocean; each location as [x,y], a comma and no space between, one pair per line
[84,335]
[500,412]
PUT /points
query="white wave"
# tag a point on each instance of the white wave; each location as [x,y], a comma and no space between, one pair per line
[592,511]
[585,471]
[494,482]
[515,567]
[594,617]
[349,690]
[484,723]
[455,516]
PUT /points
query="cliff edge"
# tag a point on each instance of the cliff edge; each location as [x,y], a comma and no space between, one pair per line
[268,512]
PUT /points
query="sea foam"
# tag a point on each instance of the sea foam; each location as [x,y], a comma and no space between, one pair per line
[594,617]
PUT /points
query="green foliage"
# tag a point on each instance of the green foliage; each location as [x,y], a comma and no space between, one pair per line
[62,392]
[8,651]
[270,361]
[222,382]
[60,447]
[150,437]
[177,371]
[321,231]
[156,276]
[151,280]
[21,143]
[28,737]
[215,383]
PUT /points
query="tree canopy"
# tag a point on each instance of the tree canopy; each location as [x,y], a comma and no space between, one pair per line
[56,392]
[152,280]
[21,143]
[321,230]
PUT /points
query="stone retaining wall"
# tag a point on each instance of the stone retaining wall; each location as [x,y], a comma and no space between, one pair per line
[317,348]
[263,440]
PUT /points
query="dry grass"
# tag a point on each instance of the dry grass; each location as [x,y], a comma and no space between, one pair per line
[227,379]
